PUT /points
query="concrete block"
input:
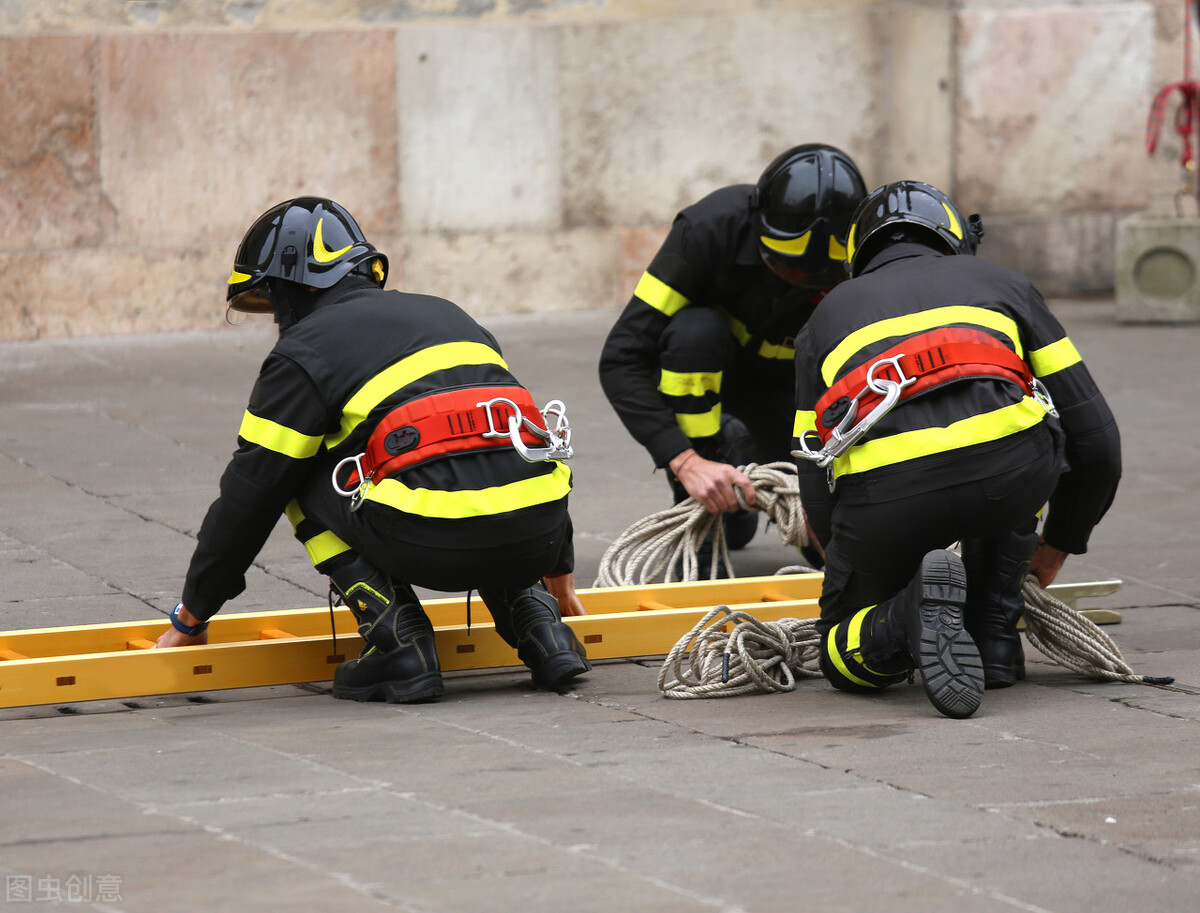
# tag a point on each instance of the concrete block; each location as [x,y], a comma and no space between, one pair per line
[516,272]
[920,87]
[50,194]
[1158,270]
[480,143]
[203,132]
[90,290]
[659,112]
[1062,253]
[1052,108]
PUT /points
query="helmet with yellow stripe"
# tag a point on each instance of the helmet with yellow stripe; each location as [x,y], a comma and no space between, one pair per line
[311,242]
[909,211]
[802,206]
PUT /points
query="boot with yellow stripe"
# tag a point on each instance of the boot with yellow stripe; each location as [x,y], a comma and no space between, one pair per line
[399,662]
[921,629]
[925,621]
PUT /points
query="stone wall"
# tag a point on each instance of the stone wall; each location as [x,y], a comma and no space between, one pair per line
[528,155]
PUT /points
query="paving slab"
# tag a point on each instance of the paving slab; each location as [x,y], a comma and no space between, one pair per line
[1061,794]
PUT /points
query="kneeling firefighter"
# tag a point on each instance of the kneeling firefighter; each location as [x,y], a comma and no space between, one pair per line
[938,401]
[388,428]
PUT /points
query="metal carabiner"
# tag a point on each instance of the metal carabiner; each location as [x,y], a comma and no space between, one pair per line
[359,492]
[557,438]
[848,431]
[1043,398]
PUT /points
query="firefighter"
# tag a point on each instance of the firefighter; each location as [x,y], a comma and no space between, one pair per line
[938,401]
[699,365]
[380,425]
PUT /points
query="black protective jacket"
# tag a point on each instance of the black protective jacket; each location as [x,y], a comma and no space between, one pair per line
[321,391]
[710,259]
[922,443]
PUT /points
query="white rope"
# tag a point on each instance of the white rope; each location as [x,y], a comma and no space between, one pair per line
[1071,639]
[755,657]
[663,544]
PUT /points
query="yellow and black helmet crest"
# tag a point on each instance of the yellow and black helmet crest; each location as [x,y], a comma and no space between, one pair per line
[311,241]
[802,205]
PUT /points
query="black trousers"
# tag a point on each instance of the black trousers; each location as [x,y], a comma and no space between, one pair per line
[508,558]
[697,341]
[877,545]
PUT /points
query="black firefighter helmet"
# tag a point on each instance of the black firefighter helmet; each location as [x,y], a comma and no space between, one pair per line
[909,211]
[802,206]
[312,242]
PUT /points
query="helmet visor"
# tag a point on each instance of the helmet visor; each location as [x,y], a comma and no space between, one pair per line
[256,300]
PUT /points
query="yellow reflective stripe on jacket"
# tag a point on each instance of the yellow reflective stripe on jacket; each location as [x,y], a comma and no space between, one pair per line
[918,323]
[700,424]
[403,373]
[782,352]
[277,437]
[805,421]
[908,445]
[1053,358]
[659,295]
[695,383]
[478,502]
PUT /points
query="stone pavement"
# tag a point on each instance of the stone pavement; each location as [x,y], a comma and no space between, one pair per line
[1059,795]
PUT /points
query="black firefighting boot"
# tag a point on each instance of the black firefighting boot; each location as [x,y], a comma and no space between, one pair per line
[925,620]
[399,662]
[528,620]
[996,571]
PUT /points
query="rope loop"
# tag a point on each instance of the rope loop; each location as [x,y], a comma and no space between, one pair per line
[755,657]
[1073,640]
[668,542]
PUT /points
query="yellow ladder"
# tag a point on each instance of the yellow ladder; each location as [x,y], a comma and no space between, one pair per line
[108,661]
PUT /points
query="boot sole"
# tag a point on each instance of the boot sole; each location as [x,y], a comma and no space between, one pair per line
[559,669]
[951,670]
[426,687]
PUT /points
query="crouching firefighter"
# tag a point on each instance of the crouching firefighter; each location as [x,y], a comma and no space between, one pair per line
[939,401]
[388,428]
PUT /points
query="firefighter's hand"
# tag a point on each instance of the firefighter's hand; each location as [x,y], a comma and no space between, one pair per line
[1047,562]
[173,637]
[710,483]
[562,588]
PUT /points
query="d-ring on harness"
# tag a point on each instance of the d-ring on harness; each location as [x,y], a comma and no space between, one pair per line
[456,421]
[917,365]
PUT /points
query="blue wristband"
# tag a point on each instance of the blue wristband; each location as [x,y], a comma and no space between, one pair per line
[189,630]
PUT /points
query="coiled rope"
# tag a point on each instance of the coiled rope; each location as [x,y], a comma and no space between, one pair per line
[769,656]
[755,657]
[1071,639]
[663,544]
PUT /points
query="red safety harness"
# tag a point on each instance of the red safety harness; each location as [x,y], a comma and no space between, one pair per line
[453,421]
[919,364]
